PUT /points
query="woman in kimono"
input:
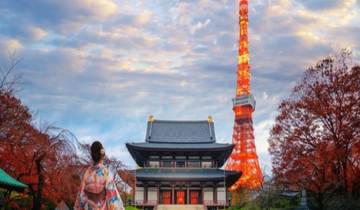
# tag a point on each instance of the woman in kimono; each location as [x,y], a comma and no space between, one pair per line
[98,190]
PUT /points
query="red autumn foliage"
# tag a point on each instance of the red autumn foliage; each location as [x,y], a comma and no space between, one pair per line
[40,158]
[316,137]
[128,177]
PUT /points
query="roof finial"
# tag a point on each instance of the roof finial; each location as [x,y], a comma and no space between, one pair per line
[151,118]
[210,119]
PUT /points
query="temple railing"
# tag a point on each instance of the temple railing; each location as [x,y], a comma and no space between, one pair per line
[205,203]
[215,203]
[145,203]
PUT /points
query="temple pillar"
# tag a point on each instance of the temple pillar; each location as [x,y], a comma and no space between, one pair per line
[215,194]
[145,194]
[158,194]
[202,193]
[172,194]
[187,194]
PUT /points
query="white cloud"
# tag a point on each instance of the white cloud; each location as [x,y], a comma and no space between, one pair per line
[36,33]
[262,131]
[143,18]
[9,46]
[199,25]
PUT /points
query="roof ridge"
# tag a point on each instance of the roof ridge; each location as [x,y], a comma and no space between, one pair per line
[187,121]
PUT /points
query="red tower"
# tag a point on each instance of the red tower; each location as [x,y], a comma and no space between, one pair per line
[244,157]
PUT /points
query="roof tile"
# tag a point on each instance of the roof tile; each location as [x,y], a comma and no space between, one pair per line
[162,131]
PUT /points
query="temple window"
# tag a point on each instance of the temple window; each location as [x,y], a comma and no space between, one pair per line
[206,164]
[194,164]
[154,164]
[167,164]
[180,163]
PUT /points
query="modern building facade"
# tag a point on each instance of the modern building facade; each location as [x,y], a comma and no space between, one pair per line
[179,163]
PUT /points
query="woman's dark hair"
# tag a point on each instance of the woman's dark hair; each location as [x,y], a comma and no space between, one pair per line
[96,153]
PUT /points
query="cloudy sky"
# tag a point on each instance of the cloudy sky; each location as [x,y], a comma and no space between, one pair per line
[100,67]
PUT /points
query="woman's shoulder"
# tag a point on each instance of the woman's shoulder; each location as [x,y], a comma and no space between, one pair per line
[100,169]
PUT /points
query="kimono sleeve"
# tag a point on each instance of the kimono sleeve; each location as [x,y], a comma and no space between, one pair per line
[81,198]
[113,199]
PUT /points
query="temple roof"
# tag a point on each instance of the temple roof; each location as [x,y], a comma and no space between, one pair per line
[8,182]
[187,174]
[191,132]
[182,147]
[142,151]
[171,138]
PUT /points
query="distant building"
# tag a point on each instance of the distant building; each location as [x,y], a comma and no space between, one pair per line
[62,206]
[10,183]
[303,201]
[180,163]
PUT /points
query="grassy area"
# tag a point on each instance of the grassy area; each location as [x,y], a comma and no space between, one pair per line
[275,203]
[130,208]
[258,208]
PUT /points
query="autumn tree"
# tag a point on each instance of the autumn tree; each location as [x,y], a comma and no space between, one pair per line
[315,140]
[53,154]
[38,157]
[9,80]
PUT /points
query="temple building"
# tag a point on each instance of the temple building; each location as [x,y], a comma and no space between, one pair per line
[179,163]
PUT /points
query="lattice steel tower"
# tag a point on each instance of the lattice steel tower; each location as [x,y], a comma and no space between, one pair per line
[244,157]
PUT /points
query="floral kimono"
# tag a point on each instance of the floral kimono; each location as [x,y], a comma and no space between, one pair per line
[98,191]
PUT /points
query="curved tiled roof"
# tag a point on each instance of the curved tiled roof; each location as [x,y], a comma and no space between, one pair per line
[141,151]
[8,182]
[166,131]
[165,137]
[192,174]
[182,147]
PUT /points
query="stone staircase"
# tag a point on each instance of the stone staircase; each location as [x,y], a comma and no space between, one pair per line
[180,207]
